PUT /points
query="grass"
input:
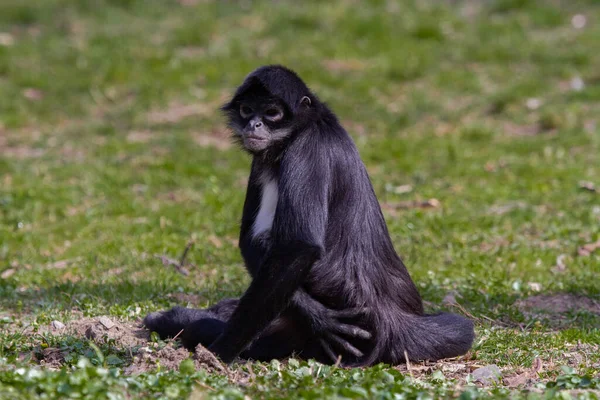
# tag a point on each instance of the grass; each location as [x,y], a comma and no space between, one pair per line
[112,153]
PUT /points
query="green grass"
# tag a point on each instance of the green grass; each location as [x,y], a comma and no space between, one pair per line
[112,152]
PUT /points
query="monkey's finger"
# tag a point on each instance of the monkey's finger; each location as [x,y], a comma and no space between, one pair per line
[327,348]
[353,331]
[350,313]
[345,345]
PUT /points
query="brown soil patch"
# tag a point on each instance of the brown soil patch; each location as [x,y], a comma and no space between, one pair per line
[512,129]
[394,208]
[455,368]
[204,359]
[131,336]
[219,138]
[543,369]
[52,358]
[176,112]
[588,249]
[21,152]
[557,304]
[187,298]
[148,359]
[104,330]
[346,65]
[143,136]
[168,357]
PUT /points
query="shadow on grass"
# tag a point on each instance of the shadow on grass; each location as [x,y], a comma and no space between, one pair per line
[560,311]
[113,298]
[578,307]
[552,311]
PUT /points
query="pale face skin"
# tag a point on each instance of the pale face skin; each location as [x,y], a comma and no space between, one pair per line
[259,124]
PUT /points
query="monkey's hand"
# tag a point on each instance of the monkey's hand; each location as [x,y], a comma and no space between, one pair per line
[327,325]
[333,333]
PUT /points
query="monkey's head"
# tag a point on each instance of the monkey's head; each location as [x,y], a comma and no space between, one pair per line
[268,108]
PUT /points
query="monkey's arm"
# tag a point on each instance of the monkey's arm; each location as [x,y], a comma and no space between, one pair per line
[268,295]
[299,233]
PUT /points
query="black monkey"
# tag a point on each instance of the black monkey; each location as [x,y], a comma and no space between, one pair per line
[326,279]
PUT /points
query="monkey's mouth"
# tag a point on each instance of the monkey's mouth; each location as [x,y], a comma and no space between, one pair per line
[254,137]
[255,143]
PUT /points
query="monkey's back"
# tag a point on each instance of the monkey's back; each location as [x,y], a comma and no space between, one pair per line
[360,262]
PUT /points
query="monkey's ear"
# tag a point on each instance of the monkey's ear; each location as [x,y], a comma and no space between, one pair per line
[305,101]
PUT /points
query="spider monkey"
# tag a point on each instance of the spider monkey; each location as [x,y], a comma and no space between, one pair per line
[326,280]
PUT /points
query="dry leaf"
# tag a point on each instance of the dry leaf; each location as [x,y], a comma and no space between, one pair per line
[533,103]
[205,140]
[517,380]
[589,186]
[405,205]
[402,189]
[525,377]
[6,39]
[344,65]
[57,325]
[62,263]
[106,322]
[501,209]
[579,21]
[139,136]
[177,112]
[487,375]
[560,266]
[534,286]
[215,241]
[33,94]
[7,273]
[588,249]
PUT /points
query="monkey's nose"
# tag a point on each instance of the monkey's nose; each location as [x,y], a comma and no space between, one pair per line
[257,124]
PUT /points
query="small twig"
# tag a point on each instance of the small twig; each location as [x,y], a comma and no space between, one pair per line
[463,310]
[189,245]
[167,261]
[495,321]
[250,371]
[204,385]
[468,314]
[338,361]
[408,364]
[179,265]
[178,333]
[589,186]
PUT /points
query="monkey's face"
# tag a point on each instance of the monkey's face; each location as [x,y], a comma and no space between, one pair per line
[259,121]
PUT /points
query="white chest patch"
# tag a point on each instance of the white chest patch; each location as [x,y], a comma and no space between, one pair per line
[268,205]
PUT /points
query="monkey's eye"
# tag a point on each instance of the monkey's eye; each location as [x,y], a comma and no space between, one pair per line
[273,114]
[246,111]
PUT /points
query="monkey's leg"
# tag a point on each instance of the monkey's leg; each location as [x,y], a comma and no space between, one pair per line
[198,325]
[287,335]
[284,337]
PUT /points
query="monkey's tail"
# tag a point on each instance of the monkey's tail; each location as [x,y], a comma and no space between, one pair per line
[437,336]
[422,337]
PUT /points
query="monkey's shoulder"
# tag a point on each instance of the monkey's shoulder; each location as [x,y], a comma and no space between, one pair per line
[325,137]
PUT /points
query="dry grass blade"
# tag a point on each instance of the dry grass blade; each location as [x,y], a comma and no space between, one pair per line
[408,364]
[178,264]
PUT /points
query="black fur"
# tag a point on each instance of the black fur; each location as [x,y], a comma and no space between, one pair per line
[326,279]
